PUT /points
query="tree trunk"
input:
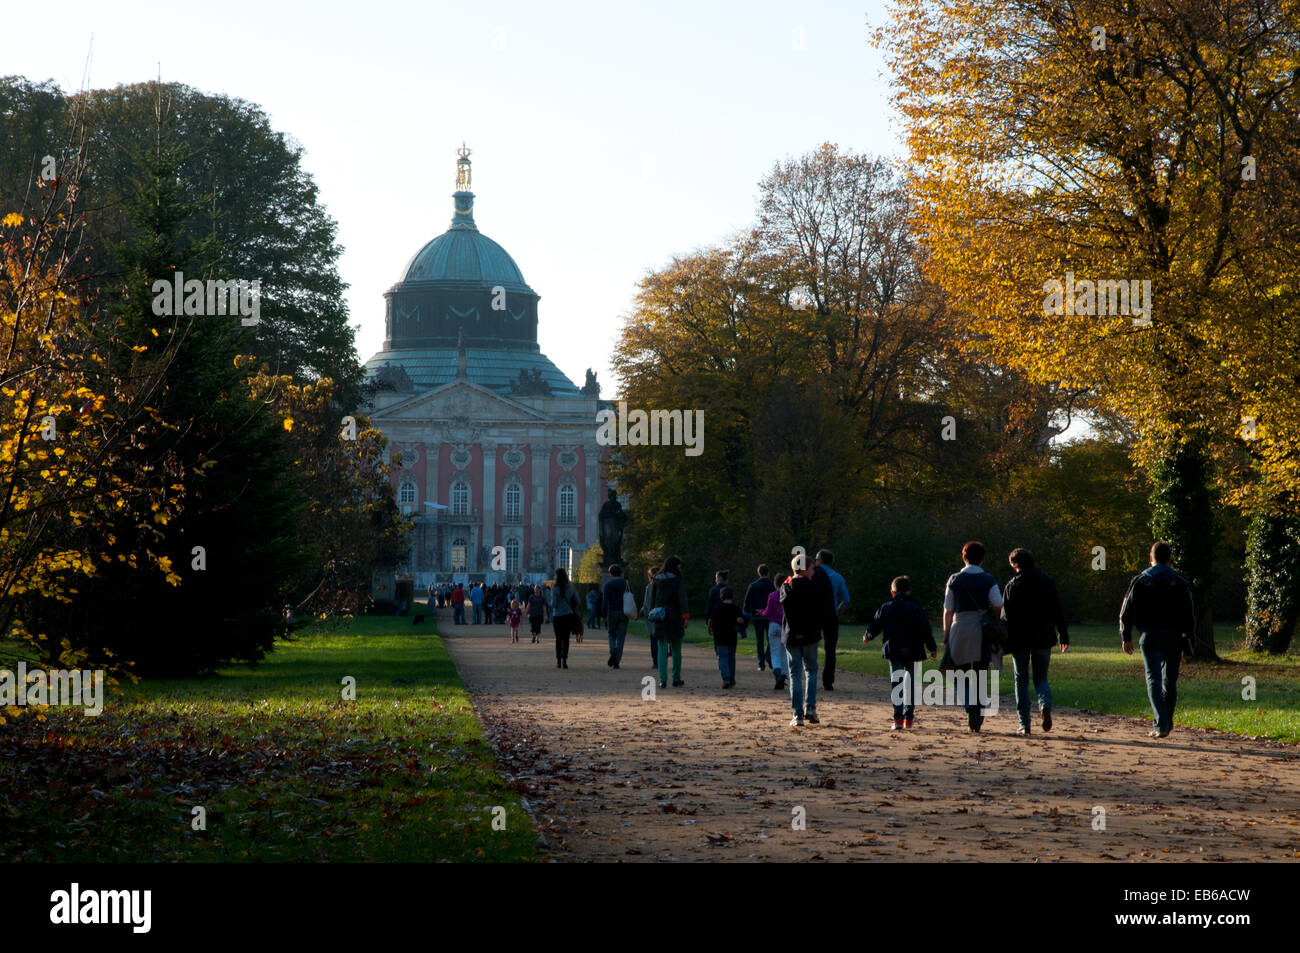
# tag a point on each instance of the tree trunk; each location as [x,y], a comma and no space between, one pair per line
[1183,515]
[1273,576]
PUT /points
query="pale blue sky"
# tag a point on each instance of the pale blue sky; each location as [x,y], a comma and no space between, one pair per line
[605,137]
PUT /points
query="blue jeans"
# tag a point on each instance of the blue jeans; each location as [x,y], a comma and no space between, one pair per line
[1021,662]
[775,650]
[726,662]
[1161,656]
[458,614]
[803,678]
[478,614]
[897,669]
[617,635]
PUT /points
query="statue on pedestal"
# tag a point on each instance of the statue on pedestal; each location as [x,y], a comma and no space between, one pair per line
[612,520]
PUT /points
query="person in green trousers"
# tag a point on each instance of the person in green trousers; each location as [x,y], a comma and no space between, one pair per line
[669,594]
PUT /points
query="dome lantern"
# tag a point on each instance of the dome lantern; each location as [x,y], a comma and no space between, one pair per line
[463,197]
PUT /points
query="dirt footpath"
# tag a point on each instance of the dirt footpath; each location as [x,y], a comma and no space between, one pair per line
[706,774]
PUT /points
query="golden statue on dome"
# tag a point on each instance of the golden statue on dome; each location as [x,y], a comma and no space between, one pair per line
[462,168]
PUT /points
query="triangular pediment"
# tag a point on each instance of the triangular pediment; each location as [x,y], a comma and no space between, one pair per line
[458,400]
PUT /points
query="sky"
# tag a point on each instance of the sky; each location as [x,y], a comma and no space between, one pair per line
[605,137]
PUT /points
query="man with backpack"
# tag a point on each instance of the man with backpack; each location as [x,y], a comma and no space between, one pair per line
[1159,605]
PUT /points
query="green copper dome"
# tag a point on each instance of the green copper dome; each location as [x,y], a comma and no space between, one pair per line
[464,254]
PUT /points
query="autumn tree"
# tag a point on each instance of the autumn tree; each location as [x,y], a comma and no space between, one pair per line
[1065,153]
[70,425]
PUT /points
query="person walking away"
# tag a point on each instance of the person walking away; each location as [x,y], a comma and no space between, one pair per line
[593,601]
[458,605]
[536,612]
[828,579]
[775,616]
[566,614]
[512,617]
[616,620]
[801,628]
[967,596]
[908,636]
[476,601]
[1159,605]
[1035,623]
[715,594]
[669,606]
[755,606]
[726,618]
[646,601]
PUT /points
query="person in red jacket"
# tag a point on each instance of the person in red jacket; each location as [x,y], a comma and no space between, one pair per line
[458,605]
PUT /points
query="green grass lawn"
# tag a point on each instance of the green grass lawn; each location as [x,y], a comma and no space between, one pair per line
[286,770]
[1095,675]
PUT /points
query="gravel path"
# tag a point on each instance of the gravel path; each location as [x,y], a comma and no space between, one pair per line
[701,773]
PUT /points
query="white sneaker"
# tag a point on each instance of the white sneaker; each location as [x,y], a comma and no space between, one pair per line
[796,721]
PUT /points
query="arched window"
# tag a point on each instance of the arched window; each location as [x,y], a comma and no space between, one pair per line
[567,508]
[512,555]
[459,550]
[563,552]
[514,502]
[406,497]
[460,498]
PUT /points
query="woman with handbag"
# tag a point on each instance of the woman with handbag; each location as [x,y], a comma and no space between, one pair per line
[566,615]
[968,596]
[667,611]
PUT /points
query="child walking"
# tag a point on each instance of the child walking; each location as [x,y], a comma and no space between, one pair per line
[513,617]
[725,618]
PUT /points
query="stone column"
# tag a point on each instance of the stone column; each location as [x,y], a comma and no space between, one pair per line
[432,454]
[595,496]
[540,502]
[489,496]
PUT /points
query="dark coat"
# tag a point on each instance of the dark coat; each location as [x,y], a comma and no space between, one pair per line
[1032,608]
[669,591]
[801,603]
[1158,601]
[756,595]
[908,635]
[829,619]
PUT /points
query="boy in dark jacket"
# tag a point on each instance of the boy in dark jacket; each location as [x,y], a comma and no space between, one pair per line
[801,631]
[908,637]
[723,621]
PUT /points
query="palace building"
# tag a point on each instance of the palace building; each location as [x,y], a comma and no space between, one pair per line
[497,447]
